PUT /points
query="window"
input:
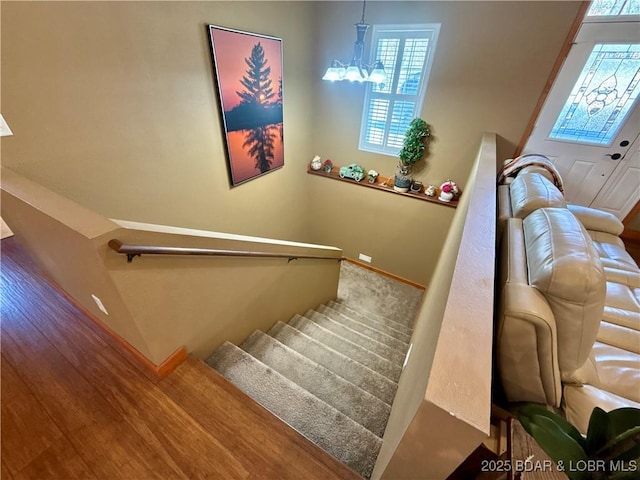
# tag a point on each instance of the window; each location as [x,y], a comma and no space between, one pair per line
[602,98]
[406,52]
[613,8]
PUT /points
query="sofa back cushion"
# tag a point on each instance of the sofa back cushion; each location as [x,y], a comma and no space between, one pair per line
[531,191]
[564,266]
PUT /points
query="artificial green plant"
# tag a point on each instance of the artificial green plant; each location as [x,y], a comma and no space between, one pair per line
[610,450]
[413,149]
[415,142]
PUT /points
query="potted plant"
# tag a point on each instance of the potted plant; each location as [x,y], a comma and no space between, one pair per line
[413,149]
[610,450]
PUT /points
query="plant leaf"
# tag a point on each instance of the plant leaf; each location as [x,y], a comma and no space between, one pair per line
[558,445]
[536,409]
[623,419]
[624,447]
[598,431]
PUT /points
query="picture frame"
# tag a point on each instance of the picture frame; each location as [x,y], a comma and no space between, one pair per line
[248,76]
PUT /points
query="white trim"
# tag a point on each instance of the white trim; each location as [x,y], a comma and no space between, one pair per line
[432,31]
[152,227]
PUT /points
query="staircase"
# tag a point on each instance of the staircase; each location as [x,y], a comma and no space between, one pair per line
[332,373]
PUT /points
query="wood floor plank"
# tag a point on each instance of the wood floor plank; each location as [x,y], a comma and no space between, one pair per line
[4,472]
[59,461]
[27,430]
[114,421]
[269,448]
[41,298]
[178,439]
[77,407]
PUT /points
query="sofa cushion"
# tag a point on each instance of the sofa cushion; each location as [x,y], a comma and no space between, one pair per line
[613,369]
[531,191]
[564,266]
[598,220]
[623,297]
[580,402]
[620,336]
[538,169]
[622,317]
[612,251]
[526,337]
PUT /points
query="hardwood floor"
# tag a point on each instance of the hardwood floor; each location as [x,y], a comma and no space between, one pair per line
[74,406]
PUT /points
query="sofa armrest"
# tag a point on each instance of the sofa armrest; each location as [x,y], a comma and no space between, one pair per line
[527,352]
[598,220]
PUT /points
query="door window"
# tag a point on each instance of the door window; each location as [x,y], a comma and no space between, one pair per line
[613,7]
[606,91]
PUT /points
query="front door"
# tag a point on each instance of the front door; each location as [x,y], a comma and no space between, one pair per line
[614,195]
[592,115]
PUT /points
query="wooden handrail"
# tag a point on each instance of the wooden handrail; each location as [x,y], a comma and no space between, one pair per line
[132,251]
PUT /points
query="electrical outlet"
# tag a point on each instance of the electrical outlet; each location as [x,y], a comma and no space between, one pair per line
[365,258]
[100,304]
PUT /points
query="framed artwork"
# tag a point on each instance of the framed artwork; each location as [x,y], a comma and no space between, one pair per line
[248,72]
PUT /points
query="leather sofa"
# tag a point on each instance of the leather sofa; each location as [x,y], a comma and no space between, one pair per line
[568,318]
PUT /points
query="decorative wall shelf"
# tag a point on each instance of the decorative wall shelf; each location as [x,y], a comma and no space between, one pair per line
[384,184]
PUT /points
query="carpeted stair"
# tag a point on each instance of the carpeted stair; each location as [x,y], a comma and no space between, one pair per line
[331,373]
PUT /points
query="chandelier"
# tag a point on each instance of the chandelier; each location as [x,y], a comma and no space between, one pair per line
[357,70]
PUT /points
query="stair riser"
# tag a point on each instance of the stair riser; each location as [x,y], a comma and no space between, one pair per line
[352,371]
[332,431]
[375,321]
[357,353]
[391,354]
[364,329]
[364,408]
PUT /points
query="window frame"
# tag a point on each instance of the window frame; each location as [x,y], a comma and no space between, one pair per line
[402,32]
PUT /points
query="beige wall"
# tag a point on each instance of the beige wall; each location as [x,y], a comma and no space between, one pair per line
[160,304]
[114,105]
[491,64]
[442,407]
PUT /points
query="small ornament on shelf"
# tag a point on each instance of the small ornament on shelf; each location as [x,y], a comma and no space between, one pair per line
[372,176]
[430,191]
[316,163]
[327,165]
[416,186]
[448,191]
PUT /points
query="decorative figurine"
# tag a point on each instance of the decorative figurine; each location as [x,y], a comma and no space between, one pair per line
[373,176]
[353,170]
[316,163]
[328,165]
[430,191]
[416,186]
[448,190]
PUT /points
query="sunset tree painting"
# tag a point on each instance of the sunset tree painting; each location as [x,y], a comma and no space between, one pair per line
[249,76]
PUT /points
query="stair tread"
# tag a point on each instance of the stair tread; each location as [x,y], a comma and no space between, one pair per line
[367,290]
[352,371]
[347,347]
[358,404]
[333,431]
[392,354]
[372,317]
[363,329]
